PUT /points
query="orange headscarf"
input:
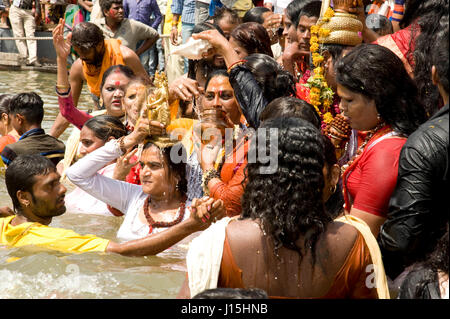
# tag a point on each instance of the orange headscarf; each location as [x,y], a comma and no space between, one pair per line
[112,56]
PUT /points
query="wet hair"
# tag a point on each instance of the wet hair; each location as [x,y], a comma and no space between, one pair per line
[105,5]
[292,205]
[216,73]
[294,8]
[20,175]
[440,56]
[255,15]
[289,106]
[86,36]
[377,73]
[253,37]
[176,157]
[224,12]
[105,126]
[29,105]
[5,101]
[379,24]
[335,202]
[232,293]
[429,15]
[125,70]
[274,81]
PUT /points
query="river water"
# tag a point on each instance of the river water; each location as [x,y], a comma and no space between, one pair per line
[33,273]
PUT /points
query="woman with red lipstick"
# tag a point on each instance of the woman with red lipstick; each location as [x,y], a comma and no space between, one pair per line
[381,100]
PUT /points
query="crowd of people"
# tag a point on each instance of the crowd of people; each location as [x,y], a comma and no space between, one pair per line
[302,154]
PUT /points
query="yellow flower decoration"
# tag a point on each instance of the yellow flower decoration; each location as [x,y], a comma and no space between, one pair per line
[327,117]
[329,13]
[323,33]
[314,29]
[314,47]
[320,94]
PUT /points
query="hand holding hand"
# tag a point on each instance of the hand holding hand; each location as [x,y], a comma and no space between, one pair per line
[206,211]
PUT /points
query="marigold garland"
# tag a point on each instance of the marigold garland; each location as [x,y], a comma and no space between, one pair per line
[320,93]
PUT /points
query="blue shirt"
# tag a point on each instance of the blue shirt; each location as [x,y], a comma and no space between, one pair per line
[185,8]
[142,10]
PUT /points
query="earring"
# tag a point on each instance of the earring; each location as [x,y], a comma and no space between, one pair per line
[333,189]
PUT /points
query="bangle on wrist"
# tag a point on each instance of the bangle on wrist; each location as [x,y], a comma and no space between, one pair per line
[62,89]
[121,144]
[235,64]
[207,176]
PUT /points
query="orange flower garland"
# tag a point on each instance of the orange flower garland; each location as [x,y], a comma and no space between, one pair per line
[320,93]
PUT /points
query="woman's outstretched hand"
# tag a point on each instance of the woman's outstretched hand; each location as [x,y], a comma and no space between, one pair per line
[62,47]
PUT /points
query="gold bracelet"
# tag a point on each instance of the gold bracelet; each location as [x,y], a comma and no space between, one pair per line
[122,144]
[62,87]
[207,176]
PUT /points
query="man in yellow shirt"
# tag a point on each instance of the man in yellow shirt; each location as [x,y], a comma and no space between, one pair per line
[37,195]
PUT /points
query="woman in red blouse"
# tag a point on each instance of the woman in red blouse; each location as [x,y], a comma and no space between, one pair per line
[381,102]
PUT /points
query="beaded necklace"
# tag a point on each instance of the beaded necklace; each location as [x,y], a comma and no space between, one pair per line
[380,128]
[151,222]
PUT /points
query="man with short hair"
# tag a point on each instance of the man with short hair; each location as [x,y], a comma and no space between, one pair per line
[128,31]
[26,112]
[96,55]
[38,195]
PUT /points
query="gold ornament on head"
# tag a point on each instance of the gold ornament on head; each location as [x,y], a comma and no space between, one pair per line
[158,109]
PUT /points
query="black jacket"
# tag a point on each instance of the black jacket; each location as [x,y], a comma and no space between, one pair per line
[419,207]
[249,94]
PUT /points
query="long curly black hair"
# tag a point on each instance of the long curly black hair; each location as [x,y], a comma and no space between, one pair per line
[288,203]
[426,17]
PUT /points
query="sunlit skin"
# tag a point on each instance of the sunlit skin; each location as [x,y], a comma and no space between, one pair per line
[45,201]
[113,92]
[89,142]
[220,94]
[304,33]
[160,184]
[289,30]
[241,52]
[360,110]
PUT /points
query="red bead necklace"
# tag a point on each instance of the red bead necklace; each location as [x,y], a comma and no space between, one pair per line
[151,221]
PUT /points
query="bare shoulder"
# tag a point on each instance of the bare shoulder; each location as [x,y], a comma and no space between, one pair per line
[76,70]
[340,236]
[127,53]
[244,232]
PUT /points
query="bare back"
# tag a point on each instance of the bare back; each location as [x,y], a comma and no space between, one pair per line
[289,275]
